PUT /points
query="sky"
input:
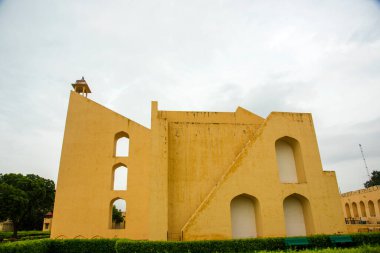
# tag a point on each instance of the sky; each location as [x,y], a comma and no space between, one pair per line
[321,57]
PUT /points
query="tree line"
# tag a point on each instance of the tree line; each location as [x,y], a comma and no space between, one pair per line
[25,200]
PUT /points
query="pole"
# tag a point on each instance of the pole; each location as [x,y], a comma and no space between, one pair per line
[365,163]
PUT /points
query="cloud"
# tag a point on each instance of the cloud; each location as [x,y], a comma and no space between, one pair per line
[339,148]
[320,57]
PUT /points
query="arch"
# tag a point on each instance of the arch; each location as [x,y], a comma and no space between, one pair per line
[298,216]
[245,217]
[355,209]
[121,145]
[348,212]
[371,208]
[117,205]
[362,209]
[119,177]
[79,237]
[289,160]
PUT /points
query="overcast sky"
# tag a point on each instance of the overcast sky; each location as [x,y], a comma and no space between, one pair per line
[321,57]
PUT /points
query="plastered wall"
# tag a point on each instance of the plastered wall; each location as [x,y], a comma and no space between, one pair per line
[367,203]
[85,188]
[255,172]
[184,172]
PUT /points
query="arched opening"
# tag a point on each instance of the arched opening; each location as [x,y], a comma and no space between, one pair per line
[118,209]
[355,209]
[362,209]
[348,212]
[121,144]
[371,208]
[289,160]
[245,217]
[120,177]
[298,217]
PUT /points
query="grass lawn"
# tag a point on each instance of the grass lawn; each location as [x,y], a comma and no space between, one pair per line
[362,249]
[24,235]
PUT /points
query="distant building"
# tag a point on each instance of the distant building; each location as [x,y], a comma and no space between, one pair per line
[362,209]
[6,226]
[193,175]
[47,221]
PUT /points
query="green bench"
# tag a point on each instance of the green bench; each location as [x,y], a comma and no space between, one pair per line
[297,242]
[341,240]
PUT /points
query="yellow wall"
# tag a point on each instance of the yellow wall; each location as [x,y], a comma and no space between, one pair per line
[368,209]
[254,172]
[84,188]
[47,224]
[184,172]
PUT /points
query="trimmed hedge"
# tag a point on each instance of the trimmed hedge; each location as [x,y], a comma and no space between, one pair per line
[34,237]
[366,238]
[60,246]
[200,246]
[22,234]
[83,246]
[128,246]
[236,246]
[35,246]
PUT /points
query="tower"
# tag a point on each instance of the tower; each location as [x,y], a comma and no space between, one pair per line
[81,87]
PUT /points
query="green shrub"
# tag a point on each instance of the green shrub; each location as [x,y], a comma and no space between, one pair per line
[236,246]
[34,237]
[221,246]
[320,241]
[369,249]
[362,249]
[366,238]
[200,246]
[38,246]
[22,234]
[83,246]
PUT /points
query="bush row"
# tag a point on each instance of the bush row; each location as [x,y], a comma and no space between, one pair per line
[83,245]
[235,246]
[360,249]
[128,246]
[60,246]
[245,245]
[34,246]
[22,234]
[25,238]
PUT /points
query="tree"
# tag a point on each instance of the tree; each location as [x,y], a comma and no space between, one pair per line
[25,200]
[117,216]
[13,205]
[375,179]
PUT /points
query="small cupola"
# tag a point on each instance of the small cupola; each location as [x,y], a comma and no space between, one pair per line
[81,87]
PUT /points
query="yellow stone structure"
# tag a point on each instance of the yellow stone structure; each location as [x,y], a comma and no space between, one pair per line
[47,224]
[362,209]
[193,176]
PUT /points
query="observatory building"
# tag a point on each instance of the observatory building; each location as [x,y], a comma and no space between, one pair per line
[192,175]
[362,209]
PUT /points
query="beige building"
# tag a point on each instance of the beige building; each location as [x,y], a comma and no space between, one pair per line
[6,226]
[362,209]
[48,219]
[192,175]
